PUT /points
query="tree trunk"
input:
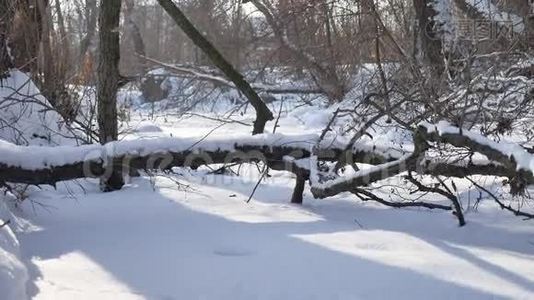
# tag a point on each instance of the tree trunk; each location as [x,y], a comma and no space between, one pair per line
[6,18]
[429,39]
[137,38]
[91,19]
[64,37]
[108,82]
[298,192]
[263,114]
[48,83]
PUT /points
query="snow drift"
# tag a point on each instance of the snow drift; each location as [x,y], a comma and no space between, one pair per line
[26,117]
[13,273]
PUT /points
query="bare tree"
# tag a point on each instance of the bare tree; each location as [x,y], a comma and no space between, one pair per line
[108,83]
[263,114]
[325,74]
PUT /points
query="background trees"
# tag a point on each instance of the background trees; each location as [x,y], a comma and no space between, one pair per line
[377,64]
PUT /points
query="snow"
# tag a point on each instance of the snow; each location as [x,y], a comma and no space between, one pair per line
[13,272]
[313,118]
[25,117]
[147,127]
[167,243]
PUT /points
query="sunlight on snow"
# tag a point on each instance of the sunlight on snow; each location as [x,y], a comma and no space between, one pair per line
[218,202]
[75,276]
[438,261]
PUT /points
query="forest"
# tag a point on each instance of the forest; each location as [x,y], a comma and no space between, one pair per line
[266,149]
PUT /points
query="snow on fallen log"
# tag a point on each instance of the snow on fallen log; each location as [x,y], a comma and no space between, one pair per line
[517,162]
[365,177]
[49,165]
[505,159]
[509,154]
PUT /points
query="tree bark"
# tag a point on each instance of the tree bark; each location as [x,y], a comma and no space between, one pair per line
[108,83]
[263,114]
[298,192]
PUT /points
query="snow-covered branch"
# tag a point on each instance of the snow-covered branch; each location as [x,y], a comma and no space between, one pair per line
[517,163]
[362,177]
[508,154]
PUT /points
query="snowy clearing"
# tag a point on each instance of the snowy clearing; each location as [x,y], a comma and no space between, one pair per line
[167,244]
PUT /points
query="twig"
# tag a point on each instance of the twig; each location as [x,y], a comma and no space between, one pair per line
[5,223]
[372,197]
[228,121]
[265,171]
[516,212]
[329,125]
[359,224]
[278,118]
[205,136]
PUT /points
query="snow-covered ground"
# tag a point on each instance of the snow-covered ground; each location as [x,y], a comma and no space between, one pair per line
[13,272]
[158,240]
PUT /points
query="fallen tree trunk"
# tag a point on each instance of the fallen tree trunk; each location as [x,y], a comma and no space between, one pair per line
[49,165]
[297,154]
